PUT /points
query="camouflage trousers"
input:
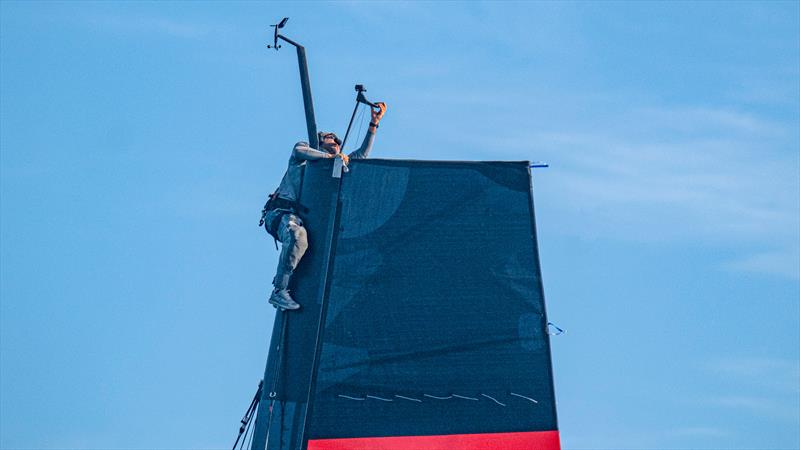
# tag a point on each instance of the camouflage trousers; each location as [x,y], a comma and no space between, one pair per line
[294,243]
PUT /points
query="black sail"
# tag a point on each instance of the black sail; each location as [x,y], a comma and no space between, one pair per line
[423,310]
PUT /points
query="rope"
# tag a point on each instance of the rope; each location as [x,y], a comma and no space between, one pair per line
[273,393]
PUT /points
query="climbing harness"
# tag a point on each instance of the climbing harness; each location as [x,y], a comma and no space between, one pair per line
[275,202]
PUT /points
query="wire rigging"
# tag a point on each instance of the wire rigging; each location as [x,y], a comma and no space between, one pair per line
[360,124]
[247,419]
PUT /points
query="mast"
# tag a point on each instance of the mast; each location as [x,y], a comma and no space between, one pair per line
[305,83]
[265,416]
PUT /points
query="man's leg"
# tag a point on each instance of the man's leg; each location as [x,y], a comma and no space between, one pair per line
[294,243]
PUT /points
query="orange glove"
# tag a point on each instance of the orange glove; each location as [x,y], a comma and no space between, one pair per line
[378,115]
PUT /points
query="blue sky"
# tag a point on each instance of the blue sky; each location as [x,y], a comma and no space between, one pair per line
[138,141]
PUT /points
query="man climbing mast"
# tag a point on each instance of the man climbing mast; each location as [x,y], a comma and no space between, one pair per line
[283,212]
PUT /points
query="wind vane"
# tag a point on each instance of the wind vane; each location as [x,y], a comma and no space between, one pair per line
[305,84]
[277,27]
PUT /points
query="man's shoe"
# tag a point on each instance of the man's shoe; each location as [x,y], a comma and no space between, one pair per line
[280,298]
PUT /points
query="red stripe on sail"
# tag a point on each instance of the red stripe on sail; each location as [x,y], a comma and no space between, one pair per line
[534,440]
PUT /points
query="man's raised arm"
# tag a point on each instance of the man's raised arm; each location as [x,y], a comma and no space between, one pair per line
[366,146]
[303,151]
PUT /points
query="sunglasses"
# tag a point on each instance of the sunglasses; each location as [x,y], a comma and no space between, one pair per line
[332,136]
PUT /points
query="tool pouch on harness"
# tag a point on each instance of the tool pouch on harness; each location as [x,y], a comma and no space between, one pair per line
[287,206]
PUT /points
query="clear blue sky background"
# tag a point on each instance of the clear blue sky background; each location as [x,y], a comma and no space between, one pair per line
[139,141]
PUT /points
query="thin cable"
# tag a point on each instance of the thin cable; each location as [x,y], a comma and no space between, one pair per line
[249,414]
[273,393]
[246,433]
[360,124]
[250,441]
[279,350]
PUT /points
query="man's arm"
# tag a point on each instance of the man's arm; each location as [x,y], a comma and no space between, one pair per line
[366,146]
[304,152]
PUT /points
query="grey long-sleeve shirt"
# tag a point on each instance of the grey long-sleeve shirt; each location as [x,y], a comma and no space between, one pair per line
[290,184]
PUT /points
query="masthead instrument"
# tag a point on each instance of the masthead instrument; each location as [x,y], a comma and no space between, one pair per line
[277,27]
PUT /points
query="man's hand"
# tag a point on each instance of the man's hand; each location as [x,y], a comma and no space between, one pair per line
[378,115]
[345,158]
